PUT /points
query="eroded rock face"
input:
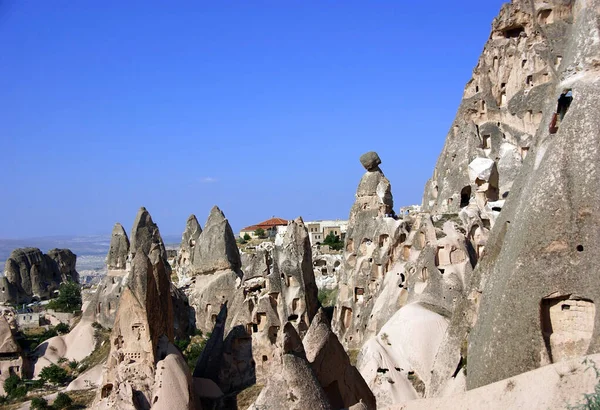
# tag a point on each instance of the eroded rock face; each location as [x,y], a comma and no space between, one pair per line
[539,266]
[295,385]
[29,274]
[142,357]
[185,255]
[216,249]
[371,251]
[278,287]
[343,384]
[11,360]
[145,236]
[118,251]
[327,269]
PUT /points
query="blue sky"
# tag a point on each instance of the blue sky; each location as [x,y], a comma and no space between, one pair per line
[260,107]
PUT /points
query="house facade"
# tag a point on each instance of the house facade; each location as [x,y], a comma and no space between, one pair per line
[270,226]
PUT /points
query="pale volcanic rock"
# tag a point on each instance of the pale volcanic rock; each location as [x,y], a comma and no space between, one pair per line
[216,248]
[540,267]
[11,360]
[295,386]
[343,384]
[118,251]
[29,274]
[278,287]
[145,235]
[185,255]
[144,368]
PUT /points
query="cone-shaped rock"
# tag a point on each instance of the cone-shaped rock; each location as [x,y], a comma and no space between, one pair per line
[185,255]
[144,234]
[295,385]
[119,249]
[216,248]
[343,384]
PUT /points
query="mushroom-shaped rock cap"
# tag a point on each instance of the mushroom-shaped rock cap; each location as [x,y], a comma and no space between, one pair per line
[370,161]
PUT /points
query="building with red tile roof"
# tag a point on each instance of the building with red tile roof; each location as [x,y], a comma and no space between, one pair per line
[269,226]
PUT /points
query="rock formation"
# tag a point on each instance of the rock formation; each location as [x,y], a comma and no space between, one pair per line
[215,271]
[295,385]
[278,287]
[216,249]
[185,256]
[517,168]
[371,251]
[11,360]
[118,251]
[103,305]
[144,369]
[29,274]
[343,384]
[538,265]
[327,269]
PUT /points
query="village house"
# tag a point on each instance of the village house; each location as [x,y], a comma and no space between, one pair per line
[270,227]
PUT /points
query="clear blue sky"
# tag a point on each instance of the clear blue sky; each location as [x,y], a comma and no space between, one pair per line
[260,107]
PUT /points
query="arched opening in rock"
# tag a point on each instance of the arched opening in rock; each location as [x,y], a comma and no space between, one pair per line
[545,16]
[465,196]
[567,326]
[106,390]
[513,32]
[564,102]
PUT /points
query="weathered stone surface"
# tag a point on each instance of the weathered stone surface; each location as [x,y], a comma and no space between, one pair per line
[143,367]
[278,287]
[539,267]
[370,161]
[209,362]
[343,384]
[295,386]
[11,360]
[371,252]
[29,274]
[185,255]
[216,249]
[327,269]
[145,236]
[118,251]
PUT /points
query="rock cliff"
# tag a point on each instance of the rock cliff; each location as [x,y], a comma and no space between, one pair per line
[31,275]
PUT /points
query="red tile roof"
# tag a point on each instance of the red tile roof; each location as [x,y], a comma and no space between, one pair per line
[269,223]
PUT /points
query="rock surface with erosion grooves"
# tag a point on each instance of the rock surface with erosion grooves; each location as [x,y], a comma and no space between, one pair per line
[118,251]
[11,360]
[343,384]
[278,287]
[144,369]
[31,275]
[541,266]
[216,249]
[185,256]
[295,386]
[216,270]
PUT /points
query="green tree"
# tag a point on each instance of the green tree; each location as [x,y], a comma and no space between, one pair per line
[69,298]
[62,328]
[39,403]
[247,237]
[11,384]
[260,232]
[62,401]
[333,241]
[54,374]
